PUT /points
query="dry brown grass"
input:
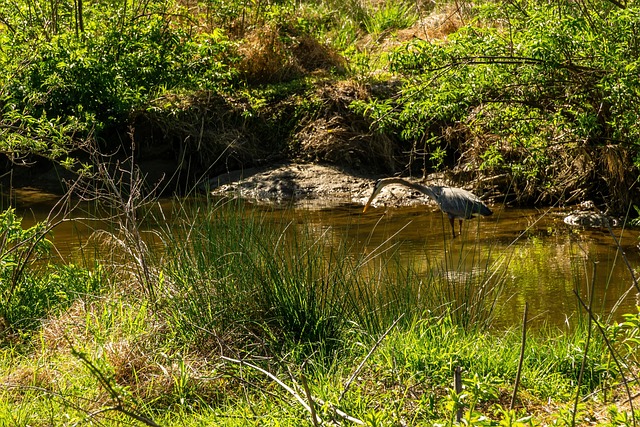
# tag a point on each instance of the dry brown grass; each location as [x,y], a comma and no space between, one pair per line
[313,56]
[438,24]
[272,54]
[343,138]
[214,130]
[431,25]
[616,168]
[338,142]
[135,362]
[198,130]
[266,58]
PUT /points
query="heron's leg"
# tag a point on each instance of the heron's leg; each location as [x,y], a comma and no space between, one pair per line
[453,226]
[461,227]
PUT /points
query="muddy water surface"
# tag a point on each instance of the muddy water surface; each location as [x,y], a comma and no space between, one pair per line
[541,259]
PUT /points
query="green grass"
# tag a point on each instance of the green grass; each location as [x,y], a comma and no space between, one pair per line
[228,270]
[85,346]
[407,377]
[390,16]
[238,284]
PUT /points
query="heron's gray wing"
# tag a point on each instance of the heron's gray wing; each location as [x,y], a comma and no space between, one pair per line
[461,203]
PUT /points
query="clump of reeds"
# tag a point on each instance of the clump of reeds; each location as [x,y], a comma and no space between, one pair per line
[235,280]
[234,275]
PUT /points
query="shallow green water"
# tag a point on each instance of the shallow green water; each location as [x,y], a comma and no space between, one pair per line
[542,260]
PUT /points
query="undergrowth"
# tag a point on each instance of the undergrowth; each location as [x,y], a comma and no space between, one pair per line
[247,312]
[233,316]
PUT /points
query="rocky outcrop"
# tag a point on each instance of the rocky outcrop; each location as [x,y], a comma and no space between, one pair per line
[589,216]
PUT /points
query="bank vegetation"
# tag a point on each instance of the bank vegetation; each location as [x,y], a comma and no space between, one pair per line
[529,103]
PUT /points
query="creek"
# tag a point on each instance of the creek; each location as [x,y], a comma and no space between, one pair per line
[542,261]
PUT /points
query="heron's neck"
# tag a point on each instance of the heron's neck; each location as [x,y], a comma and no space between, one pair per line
[425,189]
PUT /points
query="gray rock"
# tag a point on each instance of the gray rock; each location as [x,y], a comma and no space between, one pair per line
[589,218]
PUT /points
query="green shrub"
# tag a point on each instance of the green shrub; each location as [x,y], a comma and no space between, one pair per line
[101,78]
[30,288]
[545,94]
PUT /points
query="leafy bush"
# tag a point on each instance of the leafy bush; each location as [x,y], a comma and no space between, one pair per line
[30,288]
[547,98]
[23,135]
[44,293]
[102,77]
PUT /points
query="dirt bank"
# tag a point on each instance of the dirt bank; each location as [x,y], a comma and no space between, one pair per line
[319,186]
[310,185]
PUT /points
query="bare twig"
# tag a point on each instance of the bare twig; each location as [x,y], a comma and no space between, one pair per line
[586,347]
[361,365]
[309,407]
[111,387]
[457,386]
[278,381]
[521,359]
[58,214]
[120,188]
[314,417]
[612,352]
[339,412]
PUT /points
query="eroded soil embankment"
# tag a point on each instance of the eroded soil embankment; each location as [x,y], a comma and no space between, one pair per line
[310,183]
[322,186]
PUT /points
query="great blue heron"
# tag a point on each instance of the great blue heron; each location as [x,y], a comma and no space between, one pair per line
[455,202]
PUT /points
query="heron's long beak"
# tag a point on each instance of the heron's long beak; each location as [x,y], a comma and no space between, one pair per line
[373,196]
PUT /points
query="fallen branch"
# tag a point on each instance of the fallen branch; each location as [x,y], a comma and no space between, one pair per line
[314,416]
[274,378]
[361,365]
[309,407]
